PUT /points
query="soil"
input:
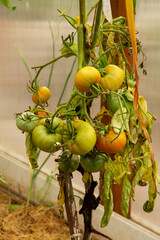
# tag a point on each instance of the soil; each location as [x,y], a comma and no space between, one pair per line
[18,222]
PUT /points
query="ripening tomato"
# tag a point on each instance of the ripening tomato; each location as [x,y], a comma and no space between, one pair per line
[84,139]
[113,79]
[85,77]
[27,121]
[92,163]
[44,94]
[106,145]
[68,162]
[41,113]
[46,140]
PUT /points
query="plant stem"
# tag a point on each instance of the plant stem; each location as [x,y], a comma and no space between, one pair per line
[25,63]
[46,64]
[53,47]
[71,209]
[34,175]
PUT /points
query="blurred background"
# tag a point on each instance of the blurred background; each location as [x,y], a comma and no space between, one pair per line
[28,29]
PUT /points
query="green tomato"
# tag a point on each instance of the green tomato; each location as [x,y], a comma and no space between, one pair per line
[113,79]
[27,121]
[68,162]
[113,103]
[46,141]
[67,50]
[92,163]
[84,139]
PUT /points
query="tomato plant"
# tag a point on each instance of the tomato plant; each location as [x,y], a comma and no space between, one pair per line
[84,139]
[27,121]
[71,127]
[113,79]
[107,143]
[92,162]
[68,162]
[44,95]
[85,77]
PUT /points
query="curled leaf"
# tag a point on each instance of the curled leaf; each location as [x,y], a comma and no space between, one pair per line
[126,190]
[31,150]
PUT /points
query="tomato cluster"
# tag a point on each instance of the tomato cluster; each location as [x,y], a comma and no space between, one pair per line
[75,137]
[88,75]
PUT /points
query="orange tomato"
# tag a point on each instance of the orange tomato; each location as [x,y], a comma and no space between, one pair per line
[44,94]
[106,145]
[41,113]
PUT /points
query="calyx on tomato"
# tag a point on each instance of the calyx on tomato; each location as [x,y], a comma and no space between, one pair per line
[84,139]
[85,77]
[68,162]
[111,143]
[113,79]
[27,121]
[92,162]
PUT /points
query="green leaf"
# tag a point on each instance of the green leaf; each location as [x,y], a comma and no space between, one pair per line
[126,190]
[31,150]
[6,3]
[108,209]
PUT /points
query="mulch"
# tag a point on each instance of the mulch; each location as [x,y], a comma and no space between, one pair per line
[18,222]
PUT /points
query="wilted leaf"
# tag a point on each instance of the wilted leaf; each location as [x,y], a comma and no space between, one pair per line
[126,190]
[31,150]
[120,120]
[108,209]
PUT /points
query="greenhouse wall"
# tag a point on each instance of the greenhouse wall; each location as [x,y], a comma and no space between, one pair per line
[27,30]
